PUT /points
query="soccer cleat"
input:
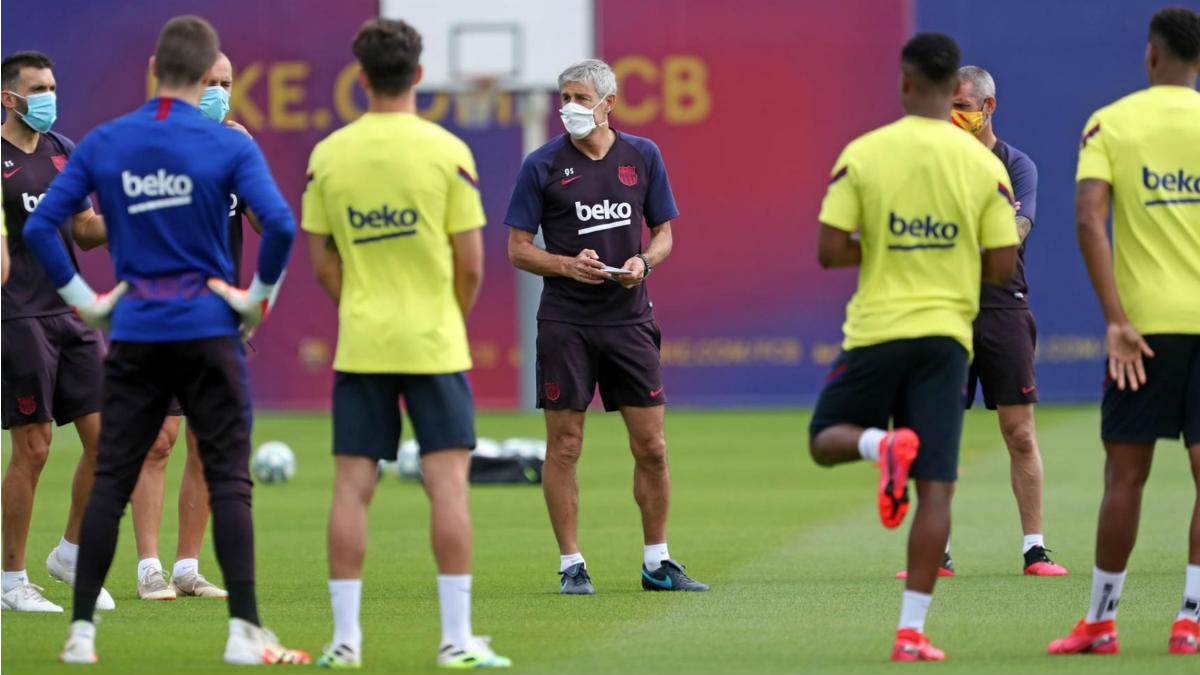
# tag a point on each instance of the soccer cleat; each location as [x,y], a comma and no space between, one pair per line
[250,645]
[897,451]
[153,585]
[946,569]
[911,645]
[1038,564]
[194,584]
[477,654]
[1088,638]
[341,656]
[65,573]
[27,598]
[670,577]
[81,643]
[1185,637]
[575,581]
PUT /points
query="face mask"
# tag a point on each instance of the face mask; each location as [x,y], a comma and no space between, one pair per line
[578,120]
[215,103]
[42,110]
[970,122]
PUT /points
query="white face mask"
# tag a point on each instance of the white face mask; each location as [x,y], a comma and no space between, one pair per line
[580,121]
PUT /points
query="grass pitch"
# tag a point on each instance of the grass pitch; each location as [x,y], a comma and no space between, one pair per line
[801,570]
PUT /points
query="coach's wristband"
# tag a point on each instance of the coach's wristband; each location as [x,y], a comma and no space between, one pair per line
[646,262]
[77,293]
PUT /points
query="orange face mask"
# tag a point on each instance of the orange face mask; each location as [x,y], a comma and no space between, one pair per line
[970,122]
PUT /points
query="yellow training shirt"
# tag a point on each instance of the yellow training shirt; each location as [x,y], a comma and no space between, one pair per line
[391,188]
[924,197]
[1147,147]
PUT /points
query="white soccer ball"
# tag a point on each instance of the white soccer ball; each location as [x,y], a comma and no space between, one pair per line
[408,461]
[486,447]
[273,462]
[529,448]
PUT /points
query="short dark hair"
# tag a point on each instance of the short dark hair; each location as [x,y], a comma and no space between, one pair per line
[10,69]
[389,51]
[1178,29]
[187,48]
[934,55]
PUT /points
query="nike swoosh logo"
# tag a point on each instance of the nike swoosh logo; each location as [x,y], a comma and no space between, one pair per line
[661,583]
[1026,390]
[10,174]
[570,180]
[656,392]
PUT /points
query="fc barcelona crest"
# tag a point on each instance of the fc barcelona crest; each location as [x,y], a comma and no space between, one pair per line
[627,175]
[60,161]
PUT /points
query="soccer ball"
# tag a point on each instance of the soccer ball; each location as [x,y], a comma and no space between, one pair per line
[408,461]
[273,462]
[486,447]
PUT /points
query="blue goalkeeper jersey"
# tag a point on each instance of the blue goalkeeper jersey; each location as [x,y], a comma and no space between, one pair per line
[163,175]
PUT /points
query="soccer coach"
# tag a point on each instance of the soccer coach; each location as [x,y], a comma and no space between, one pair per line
[590,190]
[163,174]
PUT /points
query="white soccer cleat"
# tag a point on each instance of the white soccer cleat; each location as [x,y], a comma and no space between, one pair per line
[476,654]
[250,645]
[153,585]
[65,573]
[27,598]
[194,584]
[81,643]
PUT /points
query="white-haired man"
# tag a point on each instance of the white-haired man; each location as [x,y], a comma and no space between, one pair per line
[590,190]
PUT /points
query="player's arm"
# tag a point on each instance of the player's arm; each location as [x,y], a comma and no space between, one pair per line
[253,220]
[837,248]
[841,215]
[87,229]
[1024,179]
[528,256]
[999,265]
[468,267]
[4,262]
[326,264]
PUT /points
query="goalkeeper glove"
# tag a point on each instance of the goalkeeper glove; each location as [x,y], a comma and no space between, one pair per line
[95,310]
[251,304]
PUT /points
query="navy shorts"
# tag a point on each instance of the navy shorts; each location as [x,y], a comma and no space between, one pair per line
[624,361]
[366,413]
[1005,340]
[916,383]
[53,369]
[1167,406]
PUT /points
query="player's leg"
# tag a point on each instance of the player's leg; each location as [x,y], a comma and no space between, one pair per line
[146,507]
[1185,632]
[566,380]
[930,403]
[366,429]
[186,578]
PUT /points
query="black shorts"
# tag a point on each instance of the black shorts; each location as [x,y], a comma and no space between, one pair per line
[1004,345]
[1167,406]
[53,369]
[917,383]
[624,361]
[366,413]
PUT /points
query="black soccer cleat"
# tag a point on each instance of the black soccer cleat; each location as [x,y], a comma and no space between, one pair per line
[575,581]
[670,577]
[1038,564]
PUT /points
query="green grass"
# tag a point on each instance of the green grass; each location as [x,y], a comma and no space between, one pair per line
[800,567]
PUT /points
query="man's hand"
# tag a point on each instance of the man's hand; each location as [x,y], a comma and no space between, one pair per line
[585,268]
[251,304]
[95,310]
[1125,349]
[635,265]
[234,125]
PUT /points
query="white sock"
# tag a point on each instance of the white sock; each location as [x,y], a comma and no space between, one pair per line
[68,552]
[454,599]
[185,566]
[1032,540]
[653,555]
[947,547]
[868,443]
[565,561]
[345,596]
[1191,595]
[1106,593]
[148,563]
[913,609]
[13,579]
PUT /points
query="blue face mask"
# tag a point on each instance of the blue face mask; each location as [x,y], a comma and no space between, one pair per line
[42,110]
[215,103]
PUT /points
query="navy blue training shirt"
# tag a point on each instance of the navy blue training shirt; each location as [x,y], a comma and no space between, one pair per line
[1022,172]
[163,174]
[598,204]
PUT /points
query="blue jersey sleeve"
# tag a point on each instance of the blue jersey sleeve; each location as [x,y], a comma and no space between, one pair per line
[254,184]
[525,207]
[68,189]
[1023,174]
[660,201]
